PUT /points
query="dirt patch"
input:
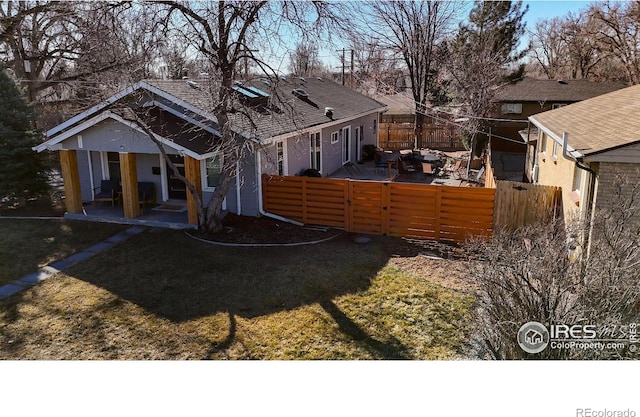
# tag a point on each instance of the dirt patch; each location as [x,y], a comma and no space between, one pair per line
[440,263]
[265,230]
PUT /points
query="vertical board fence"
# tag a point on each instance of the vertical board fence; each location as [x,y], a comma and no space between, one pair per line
[398,137]
[519,204]
[384,208]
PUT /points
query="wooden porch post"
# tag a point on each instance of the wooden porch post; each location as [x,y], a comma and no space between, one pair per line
[129,178]
[71,178]
[192,173]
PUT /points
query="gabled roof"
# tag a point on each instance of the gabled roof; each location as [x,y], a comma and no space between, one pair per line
[531,89]
[287,111]
[283,113]
[597,124]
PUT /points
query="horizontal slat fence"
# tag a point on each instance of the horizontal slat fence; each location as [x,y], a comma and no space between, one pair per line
[384,208]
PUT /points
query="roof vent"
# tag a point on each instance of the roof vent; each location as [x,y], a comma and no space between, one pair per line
[563,82]
[193,84]
[319,79]
[283,78]
[328,111]
[302,79]
[265,81]
[300,93]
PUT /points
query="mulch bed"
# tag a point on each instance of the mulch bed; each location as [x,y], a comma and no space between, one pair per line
[265,230]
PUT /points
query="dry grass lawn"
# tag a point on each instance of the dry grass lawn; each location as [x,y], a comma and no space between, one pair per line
[26,245]
[163,295]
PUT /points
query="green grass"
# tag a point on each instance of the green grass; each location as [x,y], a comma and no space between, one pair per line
[26,245]
[162,295]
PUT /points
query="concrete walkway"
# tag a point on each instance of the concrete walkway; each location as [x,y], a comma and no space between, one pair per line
[54,267]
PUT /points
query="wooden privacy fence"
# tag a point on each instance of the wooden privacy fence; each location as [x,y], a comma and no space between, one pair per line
[398,137]
[385,208]
[519,204]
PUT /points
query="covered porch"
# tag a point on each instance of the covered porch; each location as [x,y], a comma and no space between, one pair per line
[127,204]
[170,215]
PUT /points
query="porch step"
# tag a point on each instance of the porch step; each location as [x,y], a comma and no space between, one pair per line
[122,220]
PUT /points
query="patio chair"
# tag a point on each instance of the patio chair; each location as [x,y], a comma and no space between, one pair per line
[109,191]
[146,193]
[379,162]
[427,169]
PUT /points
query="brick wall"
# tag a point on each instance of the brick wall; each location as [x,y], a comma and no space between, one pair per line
[616,182]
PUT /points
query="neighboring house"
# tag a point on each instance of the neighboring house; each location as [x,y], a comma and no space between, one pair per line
[315,123]
[603,142]
[527,97]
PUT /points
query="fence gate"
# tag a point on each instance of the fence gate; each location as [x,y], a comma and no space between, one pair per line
[383,208]
[367,207]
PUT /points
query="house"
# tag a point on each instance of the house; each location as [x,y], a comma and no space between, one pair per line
[585,146]
[515,102]
[297,124]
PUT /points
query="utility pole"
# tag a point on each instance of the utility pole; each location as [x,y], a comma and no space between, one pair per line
[246,62]
[342,66]
[352,52]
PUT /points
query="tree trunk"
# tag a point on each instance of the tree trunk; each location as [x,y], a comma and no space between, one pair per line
[418,129]
[213,212]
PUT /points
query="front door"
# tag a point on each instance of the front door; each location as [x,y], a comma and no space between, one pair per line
[177,189]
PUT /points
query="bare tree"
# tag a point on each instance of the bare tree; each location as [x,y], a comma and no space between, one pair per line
[221,33]
[562,273]
[548,47]
[304,61]
[415,30]
[619,34]
[484,56]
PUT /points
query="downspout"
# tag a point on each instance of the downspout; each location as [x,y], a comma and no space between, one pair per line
[260,207]
[238,202]
[592,183]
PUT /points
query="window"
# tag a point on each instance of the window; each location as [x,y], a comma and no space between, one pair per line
[213,170]
[577,179]
[556,145]
[543,144]
[375,125]
[280,157]
[512,108]
[315,150]
[335,136]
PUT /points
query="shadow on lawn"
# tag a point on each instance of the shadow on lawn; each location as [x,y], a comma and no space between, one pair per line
[181,279]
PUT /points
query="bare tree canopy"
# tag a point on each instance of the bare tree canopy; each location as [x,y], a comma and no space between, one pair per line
[484,55]
[414,31]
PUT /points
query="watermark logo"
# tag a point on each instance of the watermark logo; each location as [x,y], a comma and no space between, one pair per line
[533,337]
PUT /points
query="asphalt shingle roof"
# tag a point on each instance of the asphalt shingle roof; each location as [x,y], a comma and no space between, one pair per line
[531,89]
[597,124]
[286,112]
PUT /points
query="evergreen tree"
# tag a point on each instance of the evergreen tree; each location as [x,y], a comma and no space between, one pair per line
[484,55]
[23,172]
